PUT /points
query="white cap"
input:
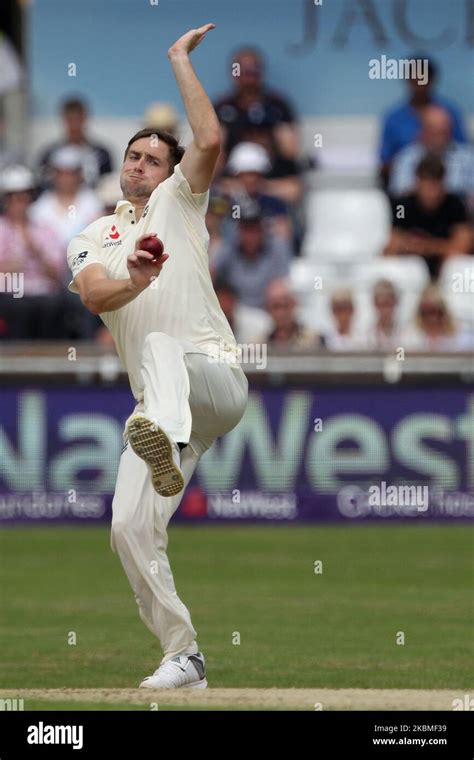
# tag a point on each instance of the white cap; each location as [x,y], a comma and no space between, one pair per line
[249,157]
[16,179]
[68,158]
[161,116]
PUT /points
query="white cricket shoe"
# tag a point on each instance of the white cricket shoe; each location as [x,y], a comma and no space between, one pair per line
[160,453]
[181,672]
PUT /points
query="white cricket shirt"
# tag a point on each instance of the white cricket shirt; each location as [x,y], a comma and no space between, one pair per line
[181,302]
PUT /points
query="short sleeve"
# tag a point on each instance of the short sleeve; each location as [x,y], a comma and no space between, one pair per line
[179,185]
[81,252]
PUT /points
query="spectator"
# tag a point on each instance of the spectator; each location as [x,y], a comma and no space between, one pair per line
[109,192]
[402,125]
[434,328]
[429,222]
[95,158]
[31,255]
[343,336]
[69,206]
[245,322]
[384,333]
[251,259]
[252,107]
[249,164]
[286,331]
[435,137]
[162,116]
[254,113]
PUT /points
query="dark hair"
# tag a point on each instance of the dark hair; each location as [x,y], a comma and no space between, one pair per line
[176,151]
[431,167]
[74,104]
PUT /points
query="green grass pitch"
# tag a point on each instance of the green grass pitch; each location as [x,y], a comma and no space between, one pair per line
[297,628]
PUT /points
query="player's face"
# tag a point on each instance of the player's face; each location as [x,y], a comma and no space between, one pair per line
[144,168]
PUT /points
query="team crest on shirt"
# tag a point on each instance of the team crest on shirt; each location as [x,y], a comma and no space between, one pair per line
[113,238]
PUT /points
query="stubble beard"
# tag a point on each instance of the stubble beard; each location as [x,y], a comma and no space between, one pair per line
[137,192]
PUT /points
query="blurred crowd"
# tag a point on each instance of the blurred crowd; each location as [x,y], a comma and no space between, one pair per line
[256,221]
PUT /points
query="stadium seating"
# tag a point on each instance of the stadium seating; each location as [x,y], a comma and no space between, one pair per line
[457,284]
[346,225]
[313,284]
[408,274]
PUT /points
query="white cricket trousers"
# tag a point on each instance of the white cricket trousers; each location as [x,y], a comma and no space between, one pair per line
[194,400]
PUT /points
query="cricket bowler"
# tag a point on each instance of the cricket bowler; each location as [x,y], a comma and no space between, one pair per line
[176,345]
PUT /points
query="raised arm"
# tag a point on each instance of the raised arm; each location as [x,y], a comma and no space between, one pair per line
[201,155]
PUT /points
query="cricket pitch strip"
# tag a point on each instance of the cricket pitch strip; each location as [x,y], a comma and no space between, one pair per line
[241,699]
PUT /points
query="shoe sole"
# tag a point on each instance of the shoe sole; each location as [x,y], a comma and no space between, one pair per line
[151,444]
[195,685]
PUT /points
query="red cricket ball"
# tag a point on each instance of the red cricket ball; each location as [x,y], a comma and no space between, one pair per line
[152,245]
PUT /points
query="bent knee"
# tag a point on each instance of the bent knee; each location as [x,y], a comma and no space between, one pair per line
[125,531]
[119,529]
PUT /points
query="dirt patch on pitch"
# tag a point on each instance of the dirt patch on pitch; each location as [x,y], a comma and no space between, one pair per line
[286,699]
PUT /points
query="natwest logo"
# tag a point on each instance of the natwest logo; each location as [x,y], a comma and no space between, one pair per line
[114,234]
[112,239]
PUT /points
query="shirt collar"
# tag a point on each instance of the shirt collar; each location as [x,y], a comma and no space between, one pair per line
[122,205]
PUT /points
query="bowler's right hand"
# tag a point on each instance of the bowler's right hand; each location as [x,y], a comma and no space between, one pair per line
[141,265]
